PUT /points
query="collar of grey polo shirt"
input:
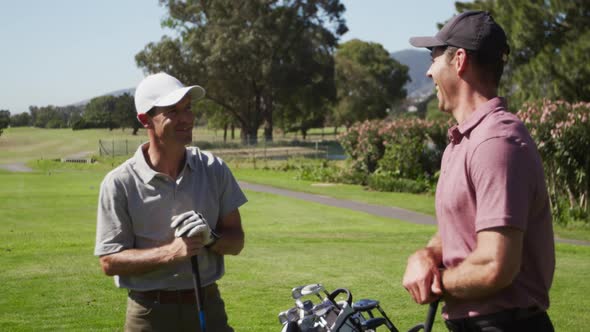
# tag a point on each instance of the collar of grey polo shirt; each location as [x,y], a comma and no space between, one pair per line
[145,172]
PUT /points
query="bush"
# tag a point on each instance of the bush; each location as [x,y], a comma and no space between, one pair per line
[385,181]
[562,133]
[404,159]
[408,147]
[364,144]
[320,172]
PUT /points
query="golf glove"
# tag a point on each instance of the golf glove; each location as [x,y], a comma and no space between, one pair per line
[192,223]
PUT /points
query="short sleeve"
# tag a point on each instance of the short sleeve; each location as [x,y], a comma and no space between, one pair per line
[231,195]
[114,230]
[500,171]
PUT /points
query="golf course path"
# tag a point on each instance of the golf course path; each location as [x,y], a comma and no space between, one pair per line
[381,211]
[16,167]
[377,210]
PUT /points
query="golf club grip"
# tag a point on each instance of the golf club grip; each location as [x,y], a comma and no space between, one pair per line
[432,308]
[199,295]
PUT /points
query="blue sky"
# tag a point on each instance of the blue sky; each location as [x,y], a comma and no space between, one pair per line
[63,51]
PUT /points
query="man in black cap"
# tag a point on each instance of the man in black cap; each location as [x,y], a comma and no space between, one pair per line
[495,236]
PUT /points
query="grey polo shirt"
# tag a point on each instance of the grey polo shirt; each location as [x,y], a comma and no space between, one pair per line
[135,208]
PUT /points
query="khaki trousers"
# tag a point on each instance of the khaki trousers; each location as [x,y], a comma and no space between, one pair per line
[143,315]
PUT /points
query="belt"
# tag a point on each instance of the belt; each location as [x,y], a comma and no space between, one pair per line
[509,315]
[181,296]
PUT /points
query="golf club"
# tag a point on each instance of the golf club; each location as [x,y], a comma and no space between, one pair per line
[198,293]
[431,315]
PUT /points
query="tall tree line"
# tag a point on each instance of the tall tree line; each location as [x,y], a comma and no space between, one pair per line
[550,47]
[101,112]
[263,62]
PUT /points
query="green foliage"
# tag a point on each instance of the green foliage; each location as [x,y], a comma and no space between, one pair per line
[54,116]
[391,182]
[125,115]
[402,159]
[20,120]
[100,112]
[4,120]
[364,144]
[369,82]
[413,147]
[562,132]
[251,55]
[322,171]
[109,112]
[550,43]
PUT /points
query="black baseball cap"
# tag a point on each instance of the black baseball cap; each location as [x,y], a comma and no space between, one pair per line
[471,30]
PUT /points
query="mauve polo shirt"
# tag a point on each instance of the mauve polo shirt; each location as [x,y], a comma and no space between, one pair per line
[492,176]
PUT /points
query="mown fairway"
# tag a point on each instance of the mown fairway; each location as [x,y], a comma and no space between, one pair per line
[50,280]
[25,144]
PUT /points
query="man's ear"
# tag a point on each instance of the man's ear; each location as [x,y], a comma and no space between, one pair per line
[461,59]
[144,119]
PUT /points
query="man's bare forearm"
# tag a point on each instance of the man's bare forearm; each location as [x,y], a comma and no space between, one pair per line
[135,261]
[232,235]
[140,261]
[231,243]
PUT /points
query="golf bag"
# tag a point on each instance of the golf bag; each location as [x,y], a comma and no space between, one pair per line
[336,312]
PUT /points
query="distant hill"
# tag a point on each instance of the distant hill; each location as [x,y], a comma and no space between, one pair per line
[418,62]
[116,93]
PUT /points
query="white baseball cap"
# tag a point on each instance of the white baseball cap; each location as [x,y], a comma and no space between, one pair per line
[162,90]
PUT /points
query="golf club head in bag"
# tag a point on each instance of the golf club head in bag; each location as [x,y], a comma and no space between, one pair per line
[335,312]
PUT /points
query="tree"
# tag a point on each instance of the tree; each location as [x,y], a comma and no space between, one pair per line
[100,113]
[368,82]
[48,117]
[215,116]
[125,115]
[550,47]
[20,120]
[304,109]
[4,120]
[248,54]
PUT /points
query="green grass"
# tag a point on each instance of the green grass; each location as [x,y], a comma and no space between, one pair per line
[50,280]
[423,203]
[23,144]
[419,203]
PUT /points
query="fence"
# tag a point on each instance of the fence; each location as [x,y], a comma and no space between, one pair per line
[237,150]
[113,147]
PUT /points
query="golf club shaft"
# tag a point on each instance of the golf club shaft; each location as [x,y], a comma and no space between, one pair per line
[431,315]
[198,293]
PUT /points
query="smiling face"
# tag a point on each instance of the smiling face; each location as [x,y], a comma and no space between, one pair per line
[173,125]
[445,79]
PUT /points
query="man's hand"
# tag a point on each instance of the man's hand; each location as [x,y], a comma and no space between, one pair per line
[192,223]
[184,247]
[422,277]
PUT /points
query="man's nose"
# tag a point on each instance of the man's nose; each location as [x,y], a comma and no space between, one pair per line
[187,116]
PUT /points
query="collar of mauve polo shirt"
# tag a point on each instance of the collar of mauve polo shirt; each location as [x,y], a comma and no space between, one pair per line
[145,172]
[457,132]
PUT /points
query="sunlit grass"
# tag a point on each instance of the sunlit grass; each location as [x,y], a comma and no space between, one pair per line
[51,281]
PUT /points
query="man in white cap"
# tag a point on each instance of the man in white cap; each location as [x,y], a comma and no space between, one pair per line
[161,207]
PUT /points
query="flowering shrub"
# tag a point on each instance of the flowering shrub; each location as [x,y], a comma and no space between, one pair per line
[407,148]
[364,145]
[562,133]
